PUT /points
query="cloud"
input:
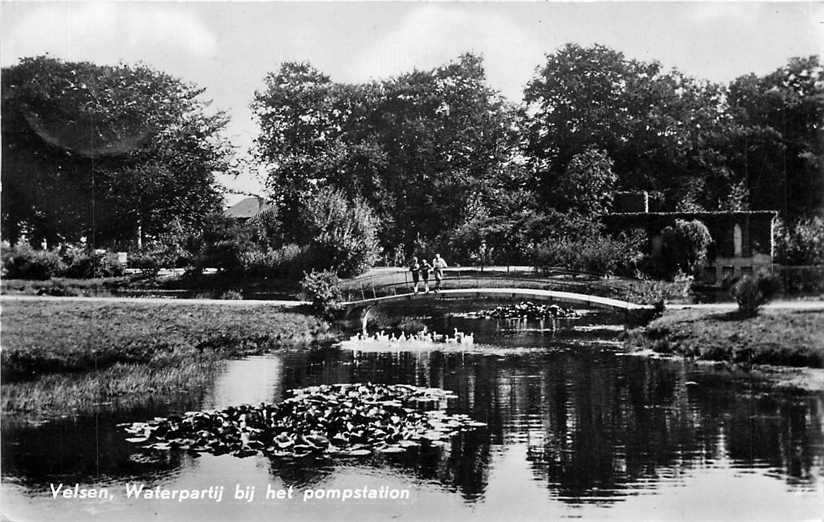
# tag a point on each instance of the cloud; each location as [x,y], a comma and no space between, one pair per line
[104,33]
[431,35]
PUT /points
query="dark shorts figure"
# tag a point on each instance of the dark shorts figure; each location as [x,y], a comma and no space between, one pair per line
[415,268]
[425,268]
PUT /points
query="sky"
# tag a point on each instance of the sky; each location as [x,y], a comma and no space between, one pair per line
[228,47]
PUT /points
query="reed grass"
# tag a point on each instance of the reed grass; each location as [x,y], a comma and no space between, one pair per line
[121,385]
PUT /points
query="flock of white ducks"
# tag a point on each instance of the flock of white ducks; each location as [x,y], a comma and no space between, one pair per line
[422,337]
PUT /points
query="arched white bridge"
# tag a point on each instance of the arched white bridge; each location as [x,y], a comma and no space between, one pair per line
[633,312]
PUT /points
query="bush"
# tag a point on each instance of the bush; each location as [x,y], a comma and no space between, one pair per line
[322,289]
[801,244]
[596,254]
[343,233]
[172,250]
[145,262]
[232,295]
[286,261]
[684,248]
[223,243]
[751,292]
[82,265]
[24,262]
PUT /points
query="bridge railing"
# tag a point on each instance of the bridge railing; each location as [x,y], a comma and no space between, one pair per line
[394,282]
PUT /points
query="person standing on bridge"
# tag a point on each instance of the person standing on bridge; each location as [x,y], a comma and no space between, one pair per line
[438,264]
[425,268]
[415,268]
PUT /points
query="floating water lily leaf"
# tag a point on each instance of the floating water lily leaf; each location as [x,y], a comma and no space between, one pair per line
[339,420]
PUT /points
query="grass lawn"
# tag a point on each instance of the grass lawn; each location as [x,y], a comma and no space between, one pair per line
[209,286]
[780,337]
[59,357]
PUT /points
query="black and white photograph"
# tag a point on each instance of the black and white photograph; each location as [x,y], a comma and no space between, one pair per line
[411,261]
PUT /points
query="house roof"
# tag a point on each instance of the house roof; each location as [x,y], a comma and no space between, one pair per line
[247,208]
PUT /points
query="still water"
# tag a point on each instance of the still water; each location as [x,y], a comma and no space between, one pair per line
[575,429]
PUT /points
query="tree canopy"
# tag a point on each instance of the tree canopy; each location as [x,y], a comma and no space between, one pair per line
[757,142]
[426,159]
[416,147]
[105,152]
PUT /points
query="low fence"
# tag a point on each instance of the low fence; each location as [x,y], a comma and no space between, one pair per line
[801,279]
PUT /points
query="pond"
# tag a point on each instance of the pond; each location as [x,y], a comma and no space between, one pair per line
[575,428]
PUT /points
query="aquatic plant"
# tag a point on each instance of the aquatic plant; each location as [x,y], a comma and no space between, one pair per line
[531,311]
[340,420]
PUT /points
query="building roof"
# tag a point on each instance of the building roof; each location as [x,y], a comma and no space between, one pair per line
[247,208]
[704,213]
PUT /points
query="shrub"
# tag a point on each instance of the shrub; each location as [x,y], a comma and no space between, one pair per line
[172,250]
[751,292]
[322,289]
[343,233]
[554,254]
[232,295]
[24,262]
[801,244]
[223,243]
[82,265]
[145,262]
[286,261]
[684,247]
[596,254]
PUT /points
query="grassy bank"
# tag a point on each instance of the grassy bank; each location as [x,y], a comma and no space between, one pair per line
[60,357]
[780,337]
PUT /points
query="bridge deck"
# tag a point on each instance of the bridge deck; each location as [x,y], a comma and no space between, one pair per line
[525,293]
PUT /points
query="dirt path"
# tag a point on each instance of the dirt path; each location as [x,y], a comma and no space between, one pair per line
[774,305]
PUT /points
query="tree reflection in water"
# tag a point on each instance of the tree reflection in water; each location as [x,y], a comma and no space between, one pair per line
[595,425]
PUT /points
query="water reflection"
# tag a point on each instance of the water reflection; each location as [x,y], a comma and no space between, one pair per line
[584,424]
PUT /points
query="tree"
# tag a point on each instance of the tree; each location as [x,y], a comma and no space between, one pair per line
[661,129]
[779,143]
[801,243]
[105,152]
[685,247]
[343,233]
[416,147]
[587,185]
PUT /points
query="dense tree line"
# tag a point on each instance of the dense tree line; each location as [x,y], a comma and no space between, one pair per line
[429,159]
[438,152]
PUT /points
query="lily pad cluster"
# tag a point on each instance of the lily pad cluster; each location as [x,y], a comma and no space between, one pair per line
[530,310]
[343,420]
